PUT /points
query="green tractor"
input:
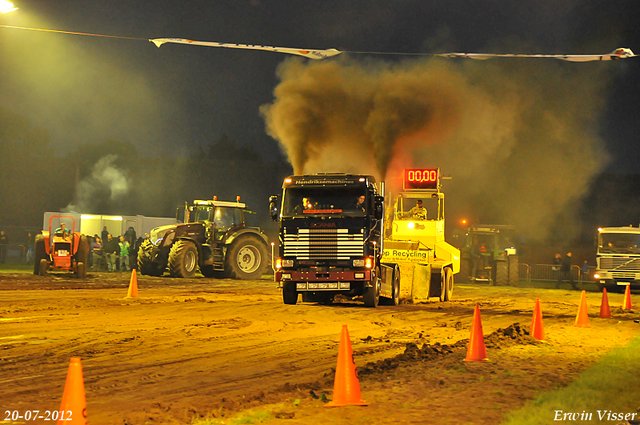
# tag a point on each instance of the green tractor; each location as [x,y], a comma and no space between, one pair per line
[489,256]
[214,238]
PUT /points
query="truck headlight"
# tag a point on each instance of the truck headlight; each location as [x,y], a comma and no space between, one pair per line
[286,276]
[596,276]
[287,263]
[358,263]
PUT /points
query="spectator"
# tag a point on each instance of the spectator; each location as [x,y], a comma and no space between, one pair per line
[105,234]
[124,254]
[565,271]
[585,270]
[110,249]
[4,242]
[96,248]
[31,240]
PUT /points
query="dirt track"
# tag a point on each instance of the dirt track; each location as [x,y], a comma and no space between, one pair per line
[199,347]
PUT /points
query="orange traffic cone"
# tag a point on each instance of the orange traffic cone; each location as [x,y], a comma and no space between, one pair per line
[346,388]
[582,319]
[477,352]
[605,312]
[537,328]
[626,304]
[73,410]
[133,285]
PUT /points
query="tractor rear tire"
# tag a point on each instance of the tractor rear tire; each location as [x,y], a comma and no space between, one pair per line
[208,271]
[289,293]
[513,270]
[81,270]
[183,259]
[146,266]
[246,258]
[39,253]
[501,273]
[44,266]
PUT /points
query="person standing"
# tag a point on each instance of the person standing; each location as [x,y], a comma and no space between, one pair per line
[565,271]
[584,271]
[104,235]
[124,254]
[4,243]
[110,249]
[96,248]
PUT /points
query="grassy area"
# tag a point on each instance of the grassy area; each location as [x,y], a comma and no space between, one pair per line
[605,393]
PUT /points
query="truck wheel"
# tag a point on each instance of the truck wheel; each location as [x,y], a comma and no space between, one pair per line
[513,270]
[246,258]
[395,290]
[44,266]
[289,293]
[372,295]
[39,253]
[183,259]
[500,273]
[145,262]
[446,293]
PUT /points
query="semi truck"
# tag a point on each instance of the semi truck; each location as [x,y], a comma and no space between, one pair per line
[333,240]
[617,257]
[330,240]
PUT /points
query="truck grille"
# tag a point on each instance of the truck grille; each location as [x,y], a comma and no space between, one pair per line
[610,263]
[324,244]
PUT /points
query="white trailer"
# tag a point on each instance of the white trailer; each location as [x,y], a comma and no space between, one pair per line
[92,224]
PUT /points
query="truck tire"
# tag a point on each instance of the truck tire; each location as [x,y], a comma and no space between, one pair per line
[146,266]
[371,295]
[500,273]
[289,293]
[513,270]
[246,258]
[446,292]
[39,253]
[183,259]
[395,290]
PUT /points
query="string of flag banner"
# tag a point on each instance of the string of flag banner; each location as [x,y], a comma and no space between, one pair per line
[319,54]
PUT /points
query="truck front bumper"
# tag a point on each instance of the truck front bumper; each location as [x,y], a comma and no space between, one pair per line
[318,281]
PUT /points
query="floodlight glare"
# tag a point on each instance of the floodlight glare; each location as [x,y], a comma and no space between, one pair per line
[6,6]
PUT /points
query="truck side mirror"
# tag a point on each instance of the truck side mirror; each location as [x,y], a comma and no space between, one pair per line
[378,207]
[273,207]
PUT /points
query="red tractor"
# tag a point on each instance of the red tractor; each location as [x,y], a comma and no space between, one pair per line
[65,250]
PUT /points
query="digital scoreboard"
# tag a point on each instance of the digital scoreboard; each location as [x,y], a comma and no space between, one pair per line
[421,179]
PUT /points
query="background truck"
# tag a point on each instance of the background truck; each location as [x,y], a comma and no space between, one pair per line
[617,258]
[330,240]
[414,242]
[213,238]
[64,250]
[489,255]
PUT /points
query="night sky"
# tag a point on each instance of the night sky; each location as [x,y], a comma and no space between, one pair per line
[517,135]
[178,97]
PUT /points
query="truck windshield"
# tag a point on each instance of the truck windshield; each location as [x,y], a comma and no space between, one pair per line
[343,201]
[619,243]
